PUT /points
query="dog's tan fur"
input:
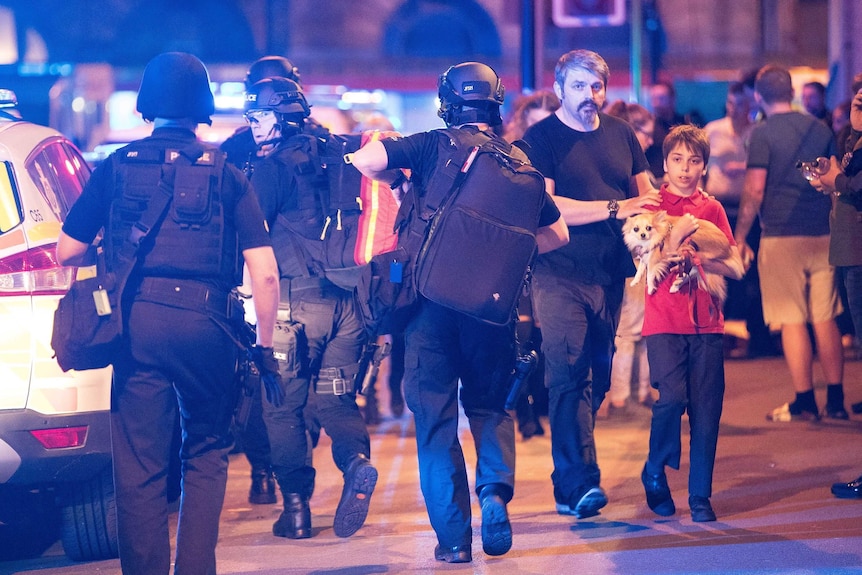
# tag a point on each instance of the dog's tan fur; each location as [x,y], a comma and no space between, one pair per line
[646,234]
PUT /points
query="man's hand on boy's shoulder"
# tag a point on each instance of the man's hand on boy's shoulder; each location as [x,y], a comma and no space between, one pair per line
[638,204]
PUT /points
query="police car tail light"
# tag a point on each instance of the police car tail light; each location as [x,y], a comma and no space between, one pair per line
[34,272]
[61,437]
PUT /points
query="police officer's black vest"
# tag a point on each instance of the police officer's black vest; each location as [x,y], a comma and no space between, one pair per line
[322,215]
[190,241]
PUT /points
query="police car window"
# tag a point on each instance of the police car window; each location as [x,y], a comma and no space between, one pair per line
[59,173]
[10,208]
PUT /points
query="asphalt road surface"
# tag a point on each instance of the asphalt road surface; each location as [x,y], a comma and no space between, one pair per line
[771,494]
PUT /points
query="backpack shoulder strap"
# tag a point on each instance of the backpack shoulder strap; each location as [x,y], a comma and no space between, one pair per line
[454,151]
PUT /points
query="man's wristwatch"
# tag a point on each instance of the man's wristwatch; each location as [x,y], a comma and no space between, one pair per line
[613,208]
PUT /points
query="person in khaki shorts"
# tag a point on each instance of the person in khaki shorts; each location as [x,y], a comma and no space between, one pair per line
[796,280]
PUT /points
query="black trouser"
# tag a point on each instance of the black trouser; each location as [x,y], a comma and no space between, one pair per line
[254,438]
[324,333]
[176,358]
[578,323]
[443,346]
[688,371]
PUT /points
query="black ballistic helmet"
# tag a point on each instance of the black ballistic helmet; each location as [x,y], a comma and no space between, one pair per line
[281,95]
[271,67]
[470,92]
[176,85]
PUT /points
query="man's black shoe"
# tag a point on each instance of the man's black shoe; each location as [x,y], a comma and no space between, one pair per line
[457,554]
[852,490]
[856,407]
[359,482]
[701,509]
[658,495]
[588,505]
[295,521]
[835,412]
[496,529]
[262,490]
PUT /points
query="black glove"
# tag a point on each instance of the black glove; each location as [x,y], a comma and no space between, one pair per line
[267,365]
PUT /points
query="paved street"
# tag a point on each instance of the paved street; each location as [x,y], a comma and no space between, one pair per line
[776,514]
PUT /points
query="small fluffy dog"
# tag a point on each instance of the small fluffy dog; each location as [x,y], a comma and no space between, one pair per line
[645,236]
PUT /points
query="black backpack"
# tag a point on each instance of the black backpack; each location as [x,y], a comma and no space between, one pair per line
[481,240]
[466,242]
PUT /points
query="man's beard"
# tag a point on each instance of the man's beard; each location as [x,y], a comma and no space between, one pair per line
[588,110]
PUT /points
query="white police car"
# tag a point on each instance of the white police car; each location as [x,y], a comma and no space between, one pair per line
[55,451]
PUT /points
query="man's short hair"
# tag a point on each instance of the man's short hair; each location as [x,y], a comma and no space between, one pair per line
[857,83]
[774,84]
[585,60]
[690,136]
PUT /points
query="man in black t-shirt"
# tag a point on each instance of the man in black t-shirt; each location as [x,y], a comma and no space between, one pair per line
[595,168]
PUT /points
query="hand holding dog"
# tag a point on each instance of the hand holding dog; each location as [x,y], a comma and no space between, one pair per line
[683,228]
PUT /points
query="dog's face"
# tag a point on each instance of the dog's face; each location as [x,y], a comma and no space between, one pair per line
[644,232]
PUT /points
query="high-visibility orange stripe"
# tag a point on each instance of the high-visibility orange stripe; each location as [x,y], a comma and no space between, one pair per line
[370,235]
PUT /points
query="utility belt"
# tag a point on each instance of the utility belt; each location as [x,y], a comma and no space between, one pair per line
[288,286]
[187,294]
[336,380]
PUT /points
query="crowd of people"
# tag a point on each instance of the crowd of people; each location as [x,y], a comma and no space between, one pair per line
[600,332]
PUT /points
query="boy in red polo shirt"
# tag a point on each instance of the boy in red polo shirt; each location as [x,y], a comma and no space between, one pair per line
[684,333]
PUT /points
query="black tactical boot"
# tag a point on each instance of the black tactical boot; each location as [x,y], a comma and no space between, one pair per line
[359,482]
[262,490]
[295,521]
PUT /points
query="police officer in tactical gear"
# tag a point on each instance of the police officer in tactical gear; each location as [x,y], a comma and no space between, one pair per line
[319,334]
[444,346]
[241,149]
[243,152]
[180,351]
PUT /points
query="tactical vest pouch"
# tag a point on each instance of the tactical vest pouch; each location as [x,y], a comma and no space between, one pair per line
[339,243]
[290,348]
[190,241]
[192,205]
